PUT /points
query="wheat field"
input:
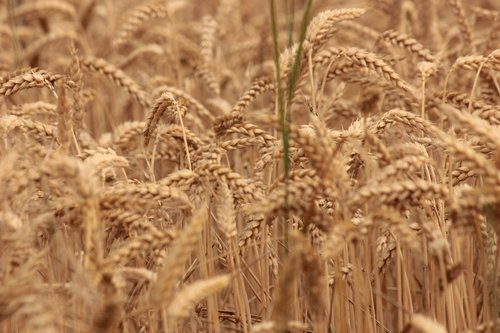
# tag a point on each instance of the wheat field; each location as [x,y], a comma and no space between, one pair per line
[249,166]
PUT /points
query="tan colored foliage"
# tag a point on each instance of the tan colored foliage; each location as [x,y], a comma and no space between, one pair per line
[142,184]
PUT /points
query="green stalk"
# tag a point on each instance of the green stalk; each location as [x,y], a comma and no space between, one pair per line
[284,110]
[281,111]
[281,96]
[292,81]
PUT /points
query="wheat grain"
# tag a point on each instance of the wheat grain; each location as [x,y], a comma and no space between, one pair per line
[118,76]
[187,298]
[162,291]
[152,240]
[191,102]
[34,109]
[9,123]
[46,7]
[64,123]
[463,22]
[154,9]
[365,59]
[141,194]
[36,47]
[30,79]
[400,192]
[406,42]
[321,27]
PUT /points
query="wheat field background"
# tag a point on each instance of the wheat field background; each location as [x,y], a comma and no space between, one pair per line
[249,166]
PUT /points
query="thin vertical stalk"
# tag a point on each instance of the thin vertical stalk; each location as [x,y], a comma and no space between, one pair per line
[281,110]
[279,84]
[284,109]
[292,81]
[15,40]
[290,18]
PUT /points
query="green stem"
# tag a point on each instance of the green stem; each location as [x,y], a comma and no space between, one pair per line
[281,97]
[284,110]
[292,81]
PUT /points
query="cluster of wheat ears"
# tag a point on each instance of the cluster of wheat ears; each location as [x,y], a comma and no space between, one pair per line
[249,166]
